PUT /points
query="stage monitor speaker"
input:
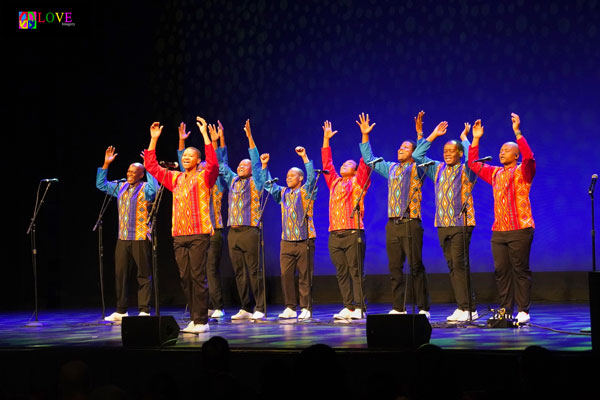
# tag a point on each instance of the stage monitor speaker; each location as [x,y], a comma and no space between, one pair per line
[150,331]
[594,281]
[401,331]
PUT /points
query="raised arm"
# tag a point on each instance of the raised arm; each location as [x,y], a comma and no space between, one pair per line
[527,160]
[326,155]
[248,131]
[362,173]
[182,136]
[419,125]
[310,180]
[484,171]
[161,174]
[211,170]
[419,155]
[382,168]
[272,188]
[102,182]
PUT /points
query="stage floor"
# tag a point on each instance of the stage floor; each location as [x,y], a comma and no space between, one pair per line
[554,326]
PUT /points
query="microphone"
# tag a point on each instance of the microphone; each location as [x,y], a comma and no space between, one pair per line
[375,161]
[271,181]
[593,183]
[484,159]
[426,164]
[169,164]
[56,180]
[119,180]
[322,171]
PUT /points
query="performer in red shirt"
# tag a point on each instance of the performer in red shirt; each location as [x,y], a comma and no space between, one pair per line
[346,230]
[513,228]
[192,227]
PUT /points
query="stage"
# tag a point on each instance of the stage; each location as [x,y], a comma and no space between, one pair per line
[263,355]
[556,326]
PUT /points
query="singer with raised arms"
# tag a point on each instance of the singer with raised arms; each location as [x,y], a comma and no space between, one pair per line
[133,244]
[191,226]
[215,292]
[346,229]
[513,228]
[297,234]
[453,183]
[245,190]
[403,231]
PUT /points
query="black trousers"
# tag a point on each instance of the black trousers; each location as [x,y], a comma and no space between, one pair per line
[347,249]
[213,271]
[451,240]
[297,256]
[140,252]
[511,251]
[191,253]
[243,244]
[404,238]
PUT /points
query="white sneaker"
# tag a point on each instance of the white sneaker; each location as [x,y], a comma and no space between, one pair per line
[357,314]
[200,328]
[217,314]
[116,317]
[523,317]
[305,314]
[257,315]
[143,314]
[242,314]
[465,316]
[288,313]
[456,315]
[426,313]
[397,312]
[344,314]
[210,312]
[189,328]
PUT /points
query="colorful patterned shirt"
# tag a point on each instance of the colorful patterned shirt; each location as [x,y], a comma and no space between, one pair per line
[511,186]
[344,193]
[133,204]
[294,204]
[216,194]
[453,186]
[244,194]
[191,193]
[404,184]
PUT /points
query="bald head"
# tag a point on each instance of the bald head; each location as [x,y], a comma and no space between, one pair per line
[244,169]
[509,154]
[294,178]
[135,173]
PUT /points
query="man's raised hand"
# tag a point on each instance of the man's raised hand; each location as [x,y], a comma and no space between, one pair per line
[465,132]
[109,156]
[419,123]
[516,124]
[365,128]
[327,132]
[155,130]
[182,134]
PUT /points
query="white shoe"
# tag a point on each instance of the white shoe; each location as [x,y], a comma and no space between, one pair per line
[257,315]
[242,314]
[210,312]
[217,314]
[143,314]
[189,328]
[288,313]
[456,315]
[357,314]
[465,316]
[426,313]
[200,328]
[523,317]
[397,312]
[116,317]
[305,314]
[344,314]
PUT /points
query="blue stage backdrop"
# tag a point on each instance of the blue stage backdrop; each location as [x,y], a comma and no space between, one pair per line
[290,65]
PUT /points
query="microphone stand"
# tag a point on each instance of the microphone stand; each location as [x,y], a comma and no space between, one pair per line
[99,225]
[261,245]
[591,193]
[151,221]
[356,211]
[463,212]
[311,202]
[31,231]
[406,214]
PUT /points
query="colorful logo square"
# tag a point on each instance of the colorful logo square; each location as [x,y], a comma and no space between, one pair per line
[27,20]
